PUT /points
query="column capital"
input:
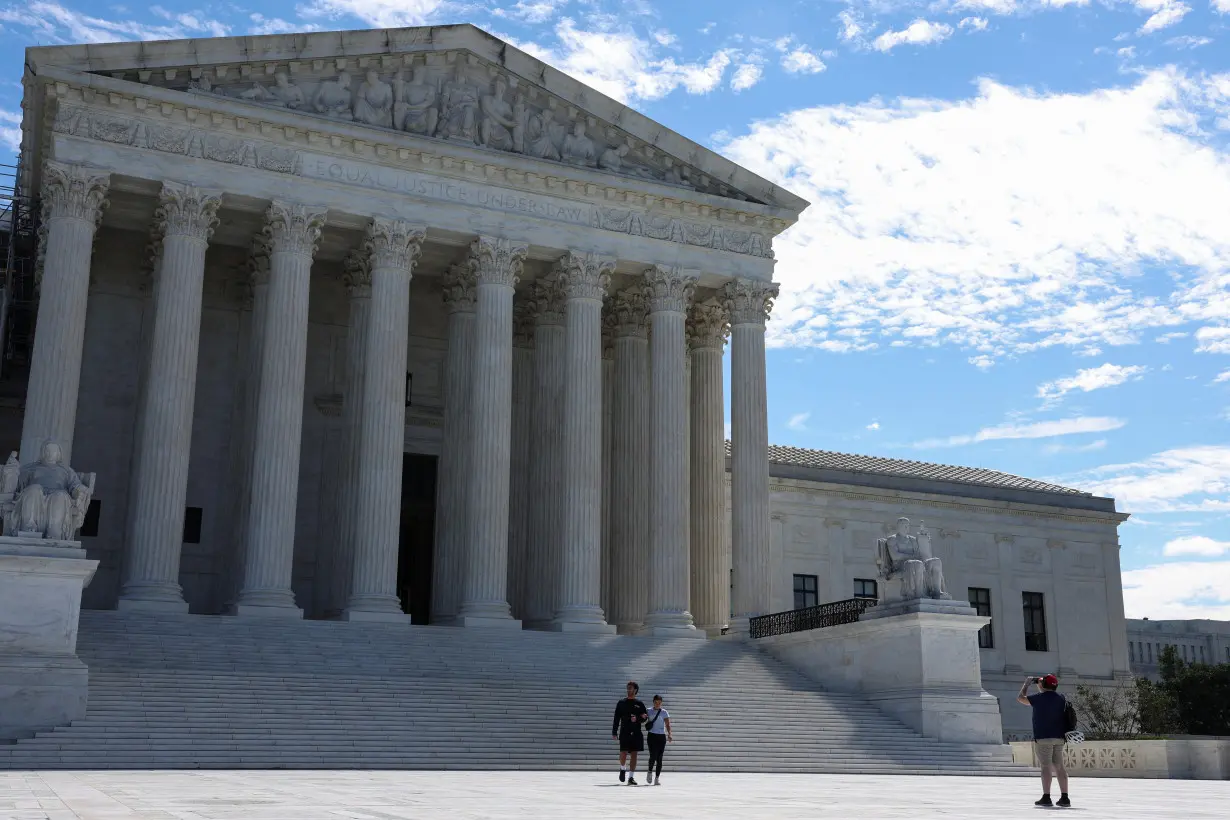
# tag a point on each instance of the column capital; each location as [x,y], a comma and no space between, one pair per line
[524,315]
[630,312]
[584,275]
[749,300]
[74,191]
[459,289]
[186,210]
[394,243]
[497,261]
[708,325]
[294,228]
[547,296]
[668,289]
[357,274]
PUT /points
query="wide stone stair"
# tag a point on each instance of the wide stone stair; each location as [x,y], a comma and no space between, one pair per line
[214,692]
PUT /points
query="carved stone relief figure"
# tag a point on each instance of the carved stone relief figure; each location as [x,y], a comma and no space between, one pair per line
[44,499]
[283,93]
[612,159]
[414,109]
[578,148]
[496,130]
[460,108]
[333,98]
[541,144]
[373,103]
[521,121]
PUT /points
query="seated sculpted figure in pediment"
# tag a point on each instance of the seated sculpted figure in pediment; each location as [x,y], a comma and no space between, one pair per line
[44,499]
[414,106]
[333,98]
[908,561]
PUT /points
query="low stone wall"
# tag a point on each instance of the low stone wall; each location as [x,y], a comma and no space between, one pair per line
[1183,758]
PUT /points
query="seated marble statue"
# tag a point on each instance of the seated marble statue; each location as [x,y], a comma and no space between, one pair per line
[333,98]
[44,499]
[909,559]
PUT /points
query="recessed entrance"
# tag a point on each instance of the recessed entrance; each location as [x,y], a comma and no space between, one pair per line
[418,531]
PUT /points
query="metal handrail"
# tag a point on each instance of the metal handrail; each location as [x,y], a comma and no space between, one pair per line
[812,617]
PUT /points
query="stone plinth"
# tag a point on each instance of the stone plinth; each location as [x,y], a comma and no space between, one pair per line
[915,660]
[42,682]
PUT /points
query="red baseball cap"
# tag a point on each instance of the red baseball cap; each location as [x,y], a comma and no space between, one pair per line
[1050,680]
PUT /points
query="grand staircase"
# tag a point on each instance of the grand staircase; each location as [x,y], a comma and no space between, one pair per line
[214,692]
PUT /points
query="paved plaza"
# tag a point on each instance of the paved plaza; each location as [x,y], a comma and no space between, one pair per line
[270,795]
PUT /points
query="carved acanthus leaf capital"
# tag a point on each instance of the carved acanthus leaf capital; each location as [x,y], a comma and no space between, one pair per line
[548,297]
[749,301]
[497,261]
[295,228]
[394,243]
[76,191]
[584,275]
[258,259]
[357,273]
[669,289]
[459,289]
[185,210]
[629,312]
[708,325]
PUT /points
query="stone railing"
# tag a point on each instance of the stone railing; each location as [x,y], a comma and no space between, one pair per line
[1181,758]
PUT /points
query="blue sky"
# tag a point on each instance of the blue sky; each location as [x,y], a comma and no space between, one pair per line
[1018,256]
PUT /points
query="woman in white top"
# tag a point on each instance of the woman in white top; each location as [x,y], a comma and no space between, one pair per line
[659,725]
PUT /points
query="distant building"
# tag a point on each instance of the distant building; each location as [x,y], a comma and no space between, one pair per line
[1196,641]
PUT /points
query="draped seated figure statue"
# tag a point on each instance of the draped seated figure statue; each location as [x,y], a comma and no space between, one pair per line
[45,498]
[908,559]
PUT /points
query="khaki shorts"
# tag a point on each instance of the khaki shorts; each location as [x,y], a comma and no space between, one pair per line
[1049,750]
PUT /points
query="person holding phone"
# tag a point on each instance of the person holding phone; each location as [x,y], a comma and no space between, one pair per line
[658,726]
[1050,730]
[630,714]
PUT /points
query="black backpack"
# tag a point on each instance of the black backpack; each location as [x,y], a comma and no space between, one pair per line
[1070,720]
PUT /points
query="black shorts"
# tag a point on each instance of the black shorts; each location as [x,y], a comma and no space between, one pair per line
[631,742]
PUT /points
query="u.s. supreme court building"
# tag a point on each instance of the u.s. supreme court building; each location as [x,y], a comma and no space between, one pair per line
[406,324]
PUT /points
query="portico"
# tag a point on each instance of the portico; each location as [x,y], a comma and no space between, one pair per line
[466,275]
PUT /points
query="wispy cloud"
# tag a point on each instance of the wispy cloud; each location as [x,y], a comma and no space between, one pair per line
[10,129]
[1213,340]
[1178,591]
[1094,378]
[973,23]
[55,23]
[1196,545]
[1193,479]
[1034,430]
[1053,449]
[1165,14]
[918,33]
[746,76]
[875,425]
[1223,376]
[798,422]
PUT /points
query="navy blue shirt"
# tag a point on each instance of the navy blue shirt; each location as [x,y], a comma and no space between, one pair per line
[1048,715]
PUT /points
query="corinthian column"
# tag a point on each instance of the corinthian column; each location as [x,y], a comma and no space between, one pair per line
[545,525]
[185,218]
[394,247]
[452,483]
[357,277]
[522,425]
[707,330]
[670,293]
[497,265]
[585,278]
[294,231]
[630,460]
[749,303]
[73,200]
[608,393]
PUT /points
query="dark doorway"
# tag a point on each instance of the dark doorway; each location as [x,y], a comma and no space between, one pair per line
[418,525]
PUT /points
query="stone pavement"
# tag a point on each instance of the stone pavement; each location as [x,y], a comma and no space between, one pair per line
[292,795]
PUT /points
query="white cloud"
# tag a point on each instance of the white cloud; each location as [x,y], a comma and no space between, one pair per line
[1093,378]
[1126,53]
[994,6]
[875,425]
[1007,222]
[52,22]
[1189,41]
[983,362]
[10,129]
[973,23]
[380,13]
[276,25]
[1195,479]
[1221,6]
[746,76]
[1178,591]
[534,11]
[917,33]
[1223,376]
[798,421]
[1213,340]
[1053,449]
[852,26]
[1033,430]
[802,61]
[1167,338]
[1196,545]
[1165,14]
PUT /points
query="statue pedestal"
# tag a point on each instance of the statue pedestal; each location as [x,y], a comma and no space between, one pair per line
[915,660]
[42,682]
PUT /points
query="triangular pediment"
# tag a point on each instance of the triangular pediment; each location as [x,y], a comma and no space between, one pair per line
[453,85]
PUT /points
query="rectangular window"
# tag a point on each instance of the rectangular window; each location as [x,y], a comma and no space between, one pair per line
[980,600]
[864,588]
[1035,621]
[192,525]
[89,527]
[805,591]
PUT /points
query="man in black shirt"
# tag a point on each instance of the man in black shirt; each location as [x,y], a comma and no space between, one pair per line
[1050,731]
[630,715]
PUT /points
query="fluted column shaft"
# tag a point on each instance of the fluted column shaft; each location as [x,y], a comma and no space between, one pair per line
[749,303]
[185,217]
[630,462]
[608,391]
[73,199]
[452,480]
[522,428]
[708,530]
[394,247]
[497,265]
[269,563]
[670,294]
[545,526]
[585,278]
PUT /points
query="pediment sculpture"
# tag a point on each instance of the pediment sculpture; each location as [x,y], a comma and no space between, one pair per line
[908,565]
[44,498]
[461,100]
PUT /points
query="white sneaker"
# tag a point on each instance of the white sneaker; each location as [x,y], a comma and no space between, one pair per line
[648,780]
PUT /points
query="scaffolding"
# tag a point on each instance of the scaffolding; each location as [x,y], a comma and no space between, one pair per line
[18,289]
